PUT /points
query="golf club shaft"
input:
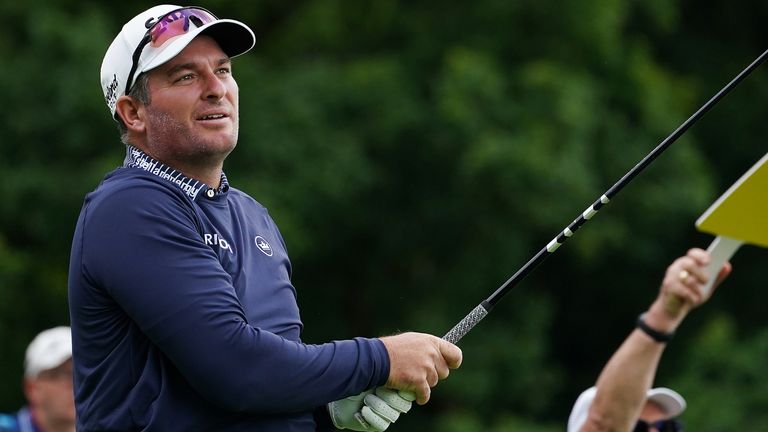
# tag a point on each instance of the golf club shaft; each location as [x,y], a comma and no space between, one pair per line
[481,310]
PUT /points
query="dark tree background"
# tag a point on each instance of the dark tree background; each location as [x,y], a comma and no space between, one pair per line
[415,154]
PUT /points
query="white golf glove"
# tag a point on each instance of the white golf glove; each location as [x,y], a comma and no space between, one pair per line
[369,412]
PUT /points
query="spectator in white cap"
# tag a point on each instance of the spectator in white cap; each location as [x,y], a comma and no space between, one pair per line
[622,399]
[47,386]
[660,412]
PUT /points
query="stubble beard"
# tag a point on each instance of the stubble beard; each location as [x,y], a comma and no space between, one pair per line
[177,143]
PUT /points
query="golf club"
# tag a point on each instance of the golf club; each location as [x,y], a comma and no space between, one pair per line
[481,310]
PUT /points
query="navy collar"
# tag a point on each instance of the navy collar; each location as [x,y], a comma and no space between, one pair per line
[135,158]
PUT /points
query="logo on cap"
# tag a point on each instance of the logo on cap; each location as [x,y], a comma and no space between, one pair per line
[111,92]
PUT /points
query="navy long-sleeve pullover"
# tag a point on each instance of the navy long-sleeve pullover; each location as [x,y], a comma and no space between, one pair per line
[184,316]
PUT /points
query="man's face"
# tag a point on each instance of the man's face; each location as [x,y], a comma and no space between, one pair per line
[651,413]
[192,117]
[51,397]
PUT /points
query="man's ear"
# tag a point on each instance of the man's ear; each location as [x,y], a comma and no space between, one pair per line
[29,385]
[131,112]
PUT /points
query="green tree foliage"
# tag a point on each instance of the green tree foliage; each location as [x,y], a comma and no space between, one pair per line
[416,154]
[725,371]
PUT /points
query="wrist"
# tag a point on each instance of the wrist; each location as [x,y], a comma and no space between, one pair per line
[663,317]
[657,334]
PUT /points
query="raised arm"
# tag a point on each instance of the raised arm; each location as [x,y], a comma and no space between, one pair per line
[624,382]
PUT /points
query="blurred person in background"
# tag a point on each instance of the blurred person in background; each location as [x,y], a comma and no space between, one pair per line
[47,386]
[622,399]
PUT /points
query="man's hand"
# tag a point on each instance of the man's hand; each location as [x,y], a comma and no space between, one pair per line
[345,413]
[368,411]
[681,289]
[418,361]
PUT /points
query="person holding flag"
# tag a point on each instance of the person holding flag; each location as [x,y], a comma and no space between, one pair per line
[623,398]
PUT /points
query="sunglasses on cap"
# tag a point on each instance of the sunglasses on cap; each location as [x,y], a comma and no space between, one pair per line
[165,27]
[669,425]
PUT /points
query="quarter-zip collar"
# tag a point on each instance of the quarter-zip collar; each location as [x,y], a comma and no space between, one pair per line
[135,158]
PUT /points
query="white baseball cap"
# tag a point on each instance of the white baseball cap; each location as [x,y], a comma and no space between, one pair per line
[48,350]
[668,400]
[158,34]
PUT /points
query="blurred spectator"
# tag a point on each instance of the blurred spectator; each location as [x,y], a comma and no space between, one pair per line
[47,386]
[622,399]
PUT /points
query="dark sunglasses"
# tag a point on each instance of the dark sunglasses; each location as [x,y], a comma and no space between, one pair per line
[165,27]
[669,425]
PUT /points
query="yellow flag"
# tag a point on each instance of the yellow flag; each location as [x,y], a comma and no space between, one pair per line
[741,213]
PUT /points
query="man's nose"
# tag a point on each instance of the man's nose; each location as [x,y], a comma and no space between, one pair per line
[214,87]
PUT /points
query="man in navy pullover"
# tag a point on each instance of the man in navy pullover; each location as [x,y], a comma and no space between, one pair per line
[183,313]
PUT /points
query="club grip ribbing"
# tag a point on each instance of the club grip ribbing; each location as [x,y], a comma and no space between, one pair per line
[464,326]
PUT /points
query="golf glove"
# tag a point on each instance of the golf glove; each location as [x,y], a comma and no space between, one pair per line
[368,411]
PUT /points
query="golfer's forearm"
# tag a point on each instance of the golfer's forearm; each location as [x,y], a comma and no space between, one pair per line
[275,375]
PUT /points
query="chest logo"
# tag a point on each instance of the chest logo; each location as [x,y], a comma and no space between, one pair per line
[263,245]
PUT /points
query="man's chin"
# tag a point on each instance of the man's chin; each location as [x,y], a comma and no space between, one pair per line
[220,139]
